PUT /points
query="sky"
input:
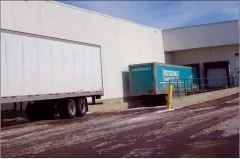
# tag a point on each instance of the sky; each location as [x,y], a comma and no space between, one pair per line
[165,14]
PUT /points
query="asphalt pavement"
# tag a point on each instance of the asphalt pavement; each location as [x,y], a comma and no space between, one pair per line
[204,130]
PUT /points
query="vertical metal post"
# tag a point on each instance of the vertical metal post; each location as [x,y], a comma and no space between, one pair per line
[177,89]
[169,83]
[205,85]
[191,82]
[185,90]
[15,107]
[169,101]
[20,106]
[222,82]
[93,100]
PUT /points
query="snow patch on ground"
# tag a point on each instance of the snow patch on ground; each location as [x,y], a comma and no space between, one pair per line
[232,101]
[101,144]
[206,108]
[143,152]
[117,146]
[137,119]
[229,127]
[24,130]
[112,148]
[142,118]
[163,111]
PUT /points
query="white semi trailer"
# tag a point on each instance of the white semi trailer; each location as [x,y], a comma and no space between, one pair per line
[52,75]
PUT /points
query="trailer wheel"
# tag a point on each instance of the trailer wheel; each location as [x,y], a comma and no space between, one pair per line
[48,111]
[81,106]
[68,109]
[32,112]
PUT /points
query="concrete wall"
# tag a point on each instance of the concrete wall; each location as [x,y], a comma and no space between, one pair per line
[216,34]
[122,43]
[210,54]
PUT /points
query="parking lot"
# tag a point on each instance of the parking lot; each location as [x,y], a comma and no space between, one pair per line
[204,130]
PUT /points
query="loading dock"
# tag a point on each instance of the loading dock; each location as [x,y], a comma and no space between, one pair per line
[216,74]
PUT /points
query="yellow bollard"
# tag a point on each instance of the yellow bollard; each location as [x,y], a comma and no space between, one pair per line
[169,101]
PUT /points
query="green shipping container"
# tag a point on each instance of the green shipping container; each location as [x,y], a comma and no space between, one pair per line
[153,78]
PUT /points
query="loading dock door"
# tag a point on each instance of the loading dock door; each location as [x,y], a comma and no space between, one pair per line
[217,77]
[216,74]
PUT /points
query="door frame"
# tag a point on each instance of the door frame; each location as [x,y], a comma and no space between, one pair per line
[215,64]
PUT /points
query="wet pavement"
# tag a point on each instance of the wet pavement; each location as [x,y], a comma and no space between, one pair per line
[205,130]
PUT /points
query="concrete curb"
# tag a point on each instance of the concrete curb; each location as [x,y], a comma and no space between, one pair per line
[203,97]
[102,108]
[177,102]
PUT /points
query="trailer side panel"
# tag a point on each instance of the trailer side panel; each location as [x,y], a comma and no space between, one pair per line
[178,76]
[33,66]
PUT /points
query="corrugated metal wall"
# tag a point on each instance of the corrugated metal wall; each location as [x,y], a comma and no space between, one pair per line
[169,57]
[211,54]
[122,43]
[216,34]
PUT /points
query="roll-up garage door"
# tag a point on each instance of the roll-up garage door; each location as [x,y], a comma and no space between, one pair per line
[217,77]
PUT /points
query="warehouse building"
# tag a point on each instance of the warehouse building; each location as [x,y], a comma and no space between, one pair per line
[212,48]
[122,42]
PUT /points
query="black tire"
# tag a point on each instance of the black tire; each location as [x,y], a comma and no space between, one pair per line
[48,111]
[81,106]
[68,109]
[32,112]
